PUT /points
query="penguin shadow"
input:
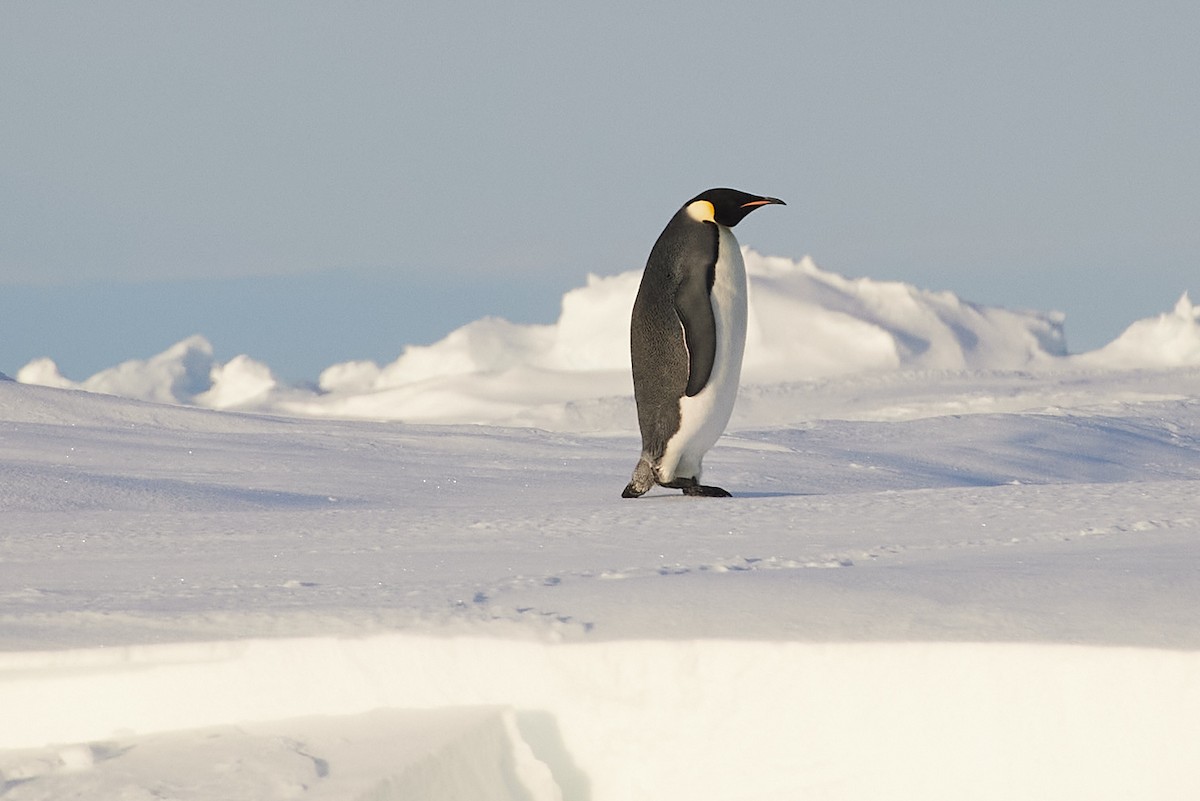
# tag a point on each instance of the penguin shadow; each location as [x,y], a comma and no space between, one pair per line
[734,495]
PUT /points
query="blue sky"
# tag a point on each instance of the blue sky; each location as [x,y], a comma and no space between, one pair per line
[316,182]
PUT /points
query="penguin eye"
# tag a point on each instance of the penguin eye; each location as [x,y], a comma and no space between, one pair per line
[702,211]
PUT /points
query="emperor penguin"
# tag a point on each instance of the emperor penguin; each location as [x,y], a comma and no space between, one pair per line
[687,335]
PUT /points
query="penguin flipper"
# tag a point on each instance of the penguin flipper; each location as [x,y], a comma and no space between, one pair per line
[694,308]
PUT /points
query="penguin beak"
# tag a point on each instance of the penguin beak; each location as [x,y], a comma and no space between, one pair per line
[762,201]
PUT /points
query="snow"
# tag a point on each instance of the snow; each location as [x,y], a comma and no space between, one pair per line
[1165,341]
[805,324]
[960,563]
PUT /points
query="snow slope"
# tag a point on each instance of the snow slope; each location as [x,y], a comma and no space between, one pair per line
[959,564]
[906,604]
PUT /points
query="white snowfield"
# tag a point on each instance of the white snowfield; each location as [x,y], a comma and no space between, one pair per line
[959,564]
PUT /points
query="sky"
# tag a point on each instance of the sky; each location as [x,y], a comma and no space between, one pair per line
[311,183]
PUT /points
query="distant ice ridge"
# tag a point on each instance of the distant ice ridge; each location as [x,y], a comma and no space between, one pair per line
[805,324]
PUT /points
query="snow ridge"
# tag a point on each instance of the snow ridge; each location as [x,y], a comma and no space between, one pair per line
[805,324]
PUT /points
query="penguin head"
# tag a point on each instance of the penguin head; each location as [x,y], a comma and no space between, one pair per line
[727,207]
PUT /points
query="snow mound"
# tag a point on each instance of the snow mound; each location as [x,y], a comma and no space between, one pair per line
[1170,340]
[185,373]
[805,324]
[808,323]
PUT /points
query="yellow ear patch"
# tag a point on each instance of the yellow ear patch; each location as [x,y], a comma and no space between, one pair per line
[701,211]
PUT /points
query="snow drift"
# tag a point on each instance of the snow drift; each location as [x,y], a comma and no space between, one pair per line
[382,718]
[799,316]
[1169,340]
[805,324]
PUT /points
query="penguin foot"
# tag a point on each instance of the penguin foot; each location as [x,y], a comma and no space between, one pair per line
[700,490]
[631,491]
[642,480]
[691,486]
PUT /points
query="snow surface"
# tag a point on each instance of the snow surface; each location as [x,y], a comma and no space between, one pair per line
[959,563]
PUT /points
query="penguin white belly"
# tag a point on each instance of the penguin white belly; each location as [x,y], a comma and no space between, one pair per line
[703,417]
